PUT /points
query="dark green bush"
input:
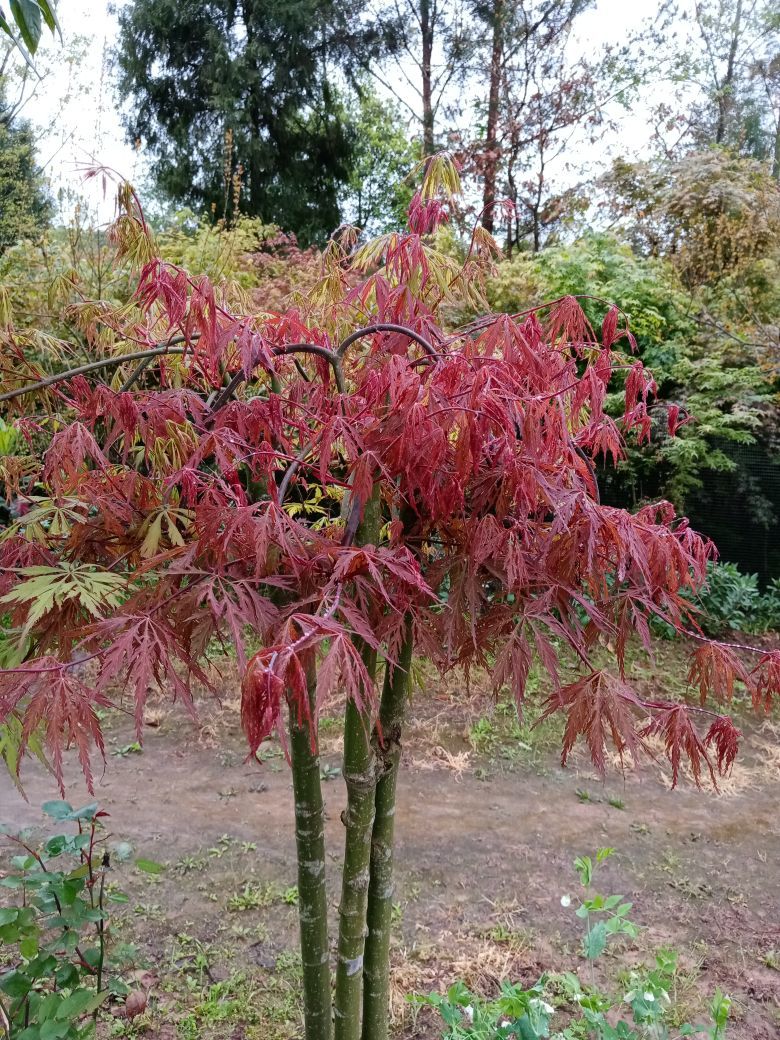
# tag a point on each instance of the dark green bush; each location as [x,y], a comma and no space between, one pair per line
[733,600]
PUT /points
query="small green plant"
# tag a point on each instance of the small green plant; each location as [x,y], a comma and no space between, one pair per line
[252,897]
[128,749]
[604,916]
[58,968]
[516,1012]
[483,736]
[526,1014]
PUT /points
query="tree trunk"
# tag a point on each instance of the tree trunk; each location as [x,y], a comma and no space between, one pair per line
[427,30]
[376,981]
[491,142]
[726,88]
[360,778]
[312,896]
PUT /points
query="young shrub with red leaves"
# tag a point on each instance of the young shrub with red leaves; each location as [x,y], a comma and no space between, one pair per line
[355,485]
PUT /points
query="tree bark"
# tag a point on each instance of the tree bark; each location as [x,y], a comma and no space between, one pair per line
[376,981]
[725,90]
[312,896]
[427,31]
[491,141]
[360,777]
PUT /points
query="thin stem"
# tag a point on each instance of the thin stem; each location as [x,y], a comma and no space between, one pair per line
[312,896]
[381,889]
[5,1021]
[101,928]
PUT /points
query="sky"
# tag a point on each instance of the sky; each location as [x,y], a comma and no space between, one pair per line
[74,107]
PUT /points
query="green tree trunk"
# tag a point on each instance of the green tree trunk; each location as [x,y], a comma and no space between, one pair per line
[358,818]
[360,777]
[376,981]
[312,895]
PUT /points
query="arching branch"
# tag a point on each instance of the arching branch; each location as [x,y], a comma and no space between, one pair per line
[289,348]
[178,346]
[159,350]
[382,326]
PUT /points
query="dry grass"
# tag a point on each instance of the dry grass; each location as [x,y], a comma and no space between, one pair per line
[480,963]
[439,758]
[769,750]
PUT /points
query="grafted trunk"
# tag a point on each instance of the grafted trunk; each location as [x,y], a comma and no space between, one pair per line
[376,982]
[312,896]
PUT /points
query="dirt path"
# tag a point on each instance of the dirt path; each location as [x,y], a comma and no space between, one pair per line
[482,866]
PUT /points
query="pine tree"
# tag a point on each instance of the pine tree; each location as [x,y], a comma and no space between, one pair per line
[236,103]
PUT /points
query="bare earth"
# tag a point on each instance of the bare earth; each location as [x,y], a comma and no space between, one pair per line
[484,856]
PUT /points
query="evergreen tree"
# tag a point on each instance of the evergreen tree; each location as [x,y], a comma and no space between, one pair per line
[236,102]
[24,207]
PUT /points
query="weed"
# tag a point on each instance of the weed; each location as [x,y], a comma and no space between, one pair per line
[224,844]
[253,897]
[639,828]
[516,940]
[149,911]
[652,994]
[189,864]
[483,736]
[128,749]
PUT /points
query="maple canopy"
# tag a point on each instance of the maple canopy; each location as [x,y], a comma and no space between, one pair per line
[216,486]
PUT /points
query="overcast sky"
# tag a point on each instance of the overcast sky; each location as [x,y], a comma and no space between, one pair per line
[74,108]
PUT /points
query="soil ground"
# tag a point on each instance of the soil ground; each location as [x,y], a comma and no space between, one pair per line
[488,825]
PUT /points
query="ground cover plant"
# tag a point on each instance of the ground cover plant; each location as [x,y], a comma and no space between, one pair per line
[60,961]
[528,1013]
[349,484]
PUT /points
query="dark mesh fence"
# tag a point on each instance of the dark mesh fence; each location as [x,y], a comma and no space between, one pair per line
[740,511]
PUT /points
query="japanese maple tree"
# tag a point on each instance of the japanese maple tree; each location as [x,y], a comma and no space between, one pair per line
[351,484]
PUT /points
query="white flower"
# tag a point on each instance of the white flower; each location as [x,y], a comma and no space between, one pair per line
[565,900]
[649,997]
[468,1011]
